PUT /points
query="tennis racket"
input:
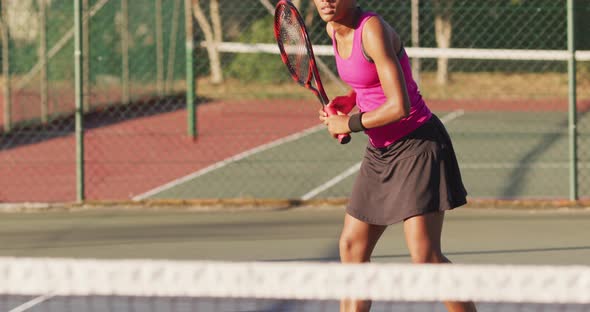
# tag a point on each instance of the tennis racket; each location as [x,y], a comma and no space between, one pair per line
[297,54]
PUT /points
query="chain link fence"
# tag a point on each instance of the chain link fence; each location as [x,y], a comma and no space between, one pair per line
[495,71]
[133,70]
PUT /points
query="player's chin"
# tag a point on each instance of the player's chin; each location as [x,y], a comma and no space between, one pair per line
[327,17]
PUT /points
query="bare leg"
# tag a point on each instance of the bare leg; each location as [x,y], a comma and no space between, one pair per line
[357,241]
[423,234]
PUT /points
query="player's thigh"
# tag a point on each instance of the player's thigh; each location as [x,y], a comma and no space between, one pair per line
[359,236]
[423,233]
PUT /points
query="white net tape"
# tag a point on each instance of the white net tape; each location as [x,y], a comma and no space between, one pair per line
[296,280]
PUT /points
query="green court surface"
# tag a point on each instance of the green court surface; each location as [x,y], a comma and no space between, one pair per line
[470,235]
[501,154]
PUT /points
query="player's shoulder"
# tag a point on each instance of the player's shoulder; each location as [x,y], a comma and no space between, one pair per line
[375,22]
[376,28]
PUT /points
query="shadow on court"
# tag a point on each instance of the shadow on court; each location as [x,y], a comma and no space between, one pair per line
[31,132]
[517,177]
[335,258]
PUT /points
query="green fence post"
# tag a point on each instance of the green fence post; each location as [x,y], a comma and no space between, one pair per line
[571,47]
[85,55]
[159,49]
[7,88]
[43,60]
[125,42]
[190,76]
[79,100]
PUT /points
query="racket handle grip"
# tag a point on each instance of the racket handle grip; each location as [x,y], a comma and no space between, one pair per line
[342,138]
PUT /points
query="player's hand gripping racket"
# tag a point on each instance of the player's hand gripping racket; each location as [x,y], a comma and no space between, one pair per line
[297,54]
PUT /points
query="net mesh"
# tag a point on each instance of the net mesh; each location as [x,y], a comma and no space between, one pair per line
[43,284]
[292,41]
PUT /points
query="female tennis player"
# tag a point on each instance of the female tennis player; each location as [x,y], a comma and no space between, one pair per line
[409,172]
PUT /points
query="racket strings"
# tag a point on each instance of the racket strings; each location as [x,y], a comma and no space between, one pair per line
[291,35]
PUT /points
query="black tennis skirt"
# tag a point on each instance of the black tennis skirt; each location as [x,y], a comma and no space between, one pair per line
[415,175]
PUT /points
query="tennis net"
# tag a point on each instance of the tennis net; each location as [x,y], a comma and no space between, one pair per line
[46,284]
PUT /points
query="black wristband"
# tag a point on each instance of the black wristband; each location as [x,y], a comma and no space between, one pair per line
[355,122]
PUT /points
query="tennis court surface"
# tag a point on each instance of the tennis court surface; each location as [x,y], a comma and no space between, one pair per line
[285,260]
[519,155]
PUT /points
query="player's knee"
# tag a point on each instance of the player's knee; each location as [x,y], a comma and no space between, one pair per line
[351,249]
[346,246]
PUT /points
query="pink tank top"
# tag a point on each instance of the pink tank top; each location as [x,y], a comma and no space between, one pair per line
[361,74]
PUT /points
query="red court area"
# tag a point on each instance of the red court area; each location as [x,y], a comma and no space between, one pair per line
[126,157]
[129,157]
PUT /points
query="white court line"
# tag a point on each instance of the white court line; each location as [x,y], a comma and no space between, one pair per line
[332,182]
[352,170]
[452,115]
[229,160]
[31,303]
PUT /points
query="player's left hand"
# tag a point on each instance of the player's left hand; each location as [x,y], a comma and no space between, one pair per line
[337,124]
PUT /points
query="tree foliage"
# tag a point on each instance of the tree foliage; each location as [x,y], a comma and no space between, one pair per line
[249,67]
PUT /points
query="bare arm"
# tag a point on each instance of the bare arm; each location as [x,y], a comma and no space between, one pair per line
[380,42]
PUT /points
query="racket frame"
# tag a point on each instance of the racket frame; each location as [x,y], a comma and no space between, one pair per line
[313,75]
